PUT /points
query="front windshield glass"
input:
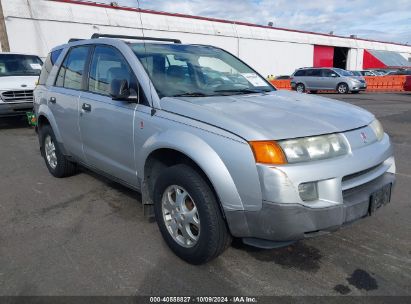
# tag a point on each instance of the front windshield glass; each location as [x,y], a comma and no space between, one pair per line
[343,72]
[194,70]
[19,65]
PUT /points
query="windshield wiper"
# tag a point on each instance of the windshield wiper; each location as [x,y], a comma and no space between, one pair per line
[242,91]
[190,94]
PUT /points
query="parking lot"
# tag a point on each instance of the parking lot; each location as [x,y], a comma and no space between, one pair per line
[86,235]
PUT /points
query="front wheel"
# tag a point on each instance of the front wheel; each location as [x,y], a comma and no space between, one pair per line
[188,215]
[342,88]
[300,88]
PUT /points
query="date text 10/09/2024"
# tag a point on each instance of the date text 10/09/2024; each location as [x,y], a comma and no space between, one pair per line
[239,299]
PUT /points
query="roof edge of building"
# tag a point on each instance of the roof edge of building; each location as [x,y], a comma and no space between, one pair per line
[149,11]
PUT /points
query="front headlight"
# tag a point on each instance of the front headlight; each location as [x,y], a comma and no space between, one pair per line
[376,126]
[314,148]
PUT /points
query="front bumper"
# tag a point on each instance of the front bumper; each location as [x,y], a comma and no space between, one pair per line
[358,86]
[15,109]
[291,222]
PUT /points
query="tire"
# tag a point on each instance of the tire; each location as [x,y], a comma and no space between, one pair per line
[300,87]
[212,236]
[342,88]
[56,163]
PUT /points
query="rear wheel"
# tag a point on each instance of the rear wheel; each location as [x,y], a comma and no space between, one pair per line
[342,88]
[56,162]
[188,215]
[300,88]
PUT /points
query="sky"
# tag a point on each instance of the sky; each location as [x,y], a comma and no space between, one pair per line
[386,20]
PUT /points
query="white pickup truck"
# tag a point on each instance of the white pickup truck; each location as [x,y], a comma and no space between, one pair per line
[18,76]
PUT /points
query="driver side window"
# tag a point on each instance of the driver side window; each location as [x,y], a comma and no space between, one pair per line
[108,64]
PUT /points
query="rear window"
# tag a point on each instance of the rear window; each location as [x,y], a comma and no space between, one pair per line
[48,65]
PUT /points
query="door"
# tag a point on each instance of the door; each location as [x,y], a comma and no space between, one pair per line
[107,125]
[313,79]
[329,79]
[63,99]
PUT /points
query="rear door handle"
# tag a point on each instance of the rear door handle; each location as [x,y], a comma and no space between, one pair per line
[86,107]
[52,99]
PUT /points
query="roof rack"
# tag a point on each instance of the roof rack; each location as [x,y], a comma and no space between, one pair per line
[97,35]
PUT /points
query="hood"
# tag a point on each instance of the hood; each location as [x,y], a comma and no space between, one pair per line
[18,83]
[272,116]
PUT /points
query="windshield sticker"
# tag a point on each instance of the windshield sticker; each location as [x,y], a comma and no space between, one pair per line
[35,66]
[254,79]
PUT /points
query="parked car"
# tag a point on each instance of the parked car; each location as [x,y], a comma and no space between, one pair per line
[314,79]
[357,75]
[283,77]
[368,73]
[212,162]
[18,76]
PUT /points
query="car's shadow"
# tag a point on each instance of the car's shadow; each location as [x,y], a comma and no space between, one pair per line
[15,122]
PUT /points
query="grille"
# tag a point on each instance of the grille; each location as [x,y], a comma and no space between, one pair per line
[360,173]
[17,96]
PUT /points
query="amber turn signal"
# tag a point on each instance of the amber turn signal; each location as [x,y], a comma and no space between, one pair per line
[268,152]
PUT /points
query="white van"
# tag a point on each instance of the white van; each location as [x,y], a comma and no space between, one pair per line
[18,76]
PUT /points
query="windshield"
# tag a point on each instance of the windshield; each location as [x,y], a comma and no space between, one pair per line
[194,70]
[19,65]
[343,72]
[356,73]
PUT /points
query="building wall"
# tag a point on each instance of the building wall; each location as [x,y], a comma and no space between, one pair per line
[36,26]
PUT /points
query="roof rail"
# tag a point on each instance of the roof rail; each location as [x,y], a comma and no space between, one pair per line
[74,40]
[97,35]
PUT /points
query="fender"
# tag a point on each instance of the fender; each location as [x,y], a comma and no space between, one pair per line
[44,110]
[203,155]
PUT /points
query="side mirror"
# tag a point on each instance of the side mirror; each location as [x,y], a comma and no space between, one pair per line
[334,75]
[120,90]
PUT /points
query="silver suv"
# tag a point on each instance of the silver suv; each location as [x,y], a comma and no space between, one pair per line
[216,151]
[316,79]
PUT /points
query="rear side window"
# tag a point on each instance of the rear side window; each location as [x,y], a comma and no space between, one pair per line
[48,65]
[300,73]
[71,72]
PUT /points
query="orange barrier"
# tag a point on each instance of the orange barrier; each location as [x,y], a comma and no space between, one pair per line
[281,84]
[393,83]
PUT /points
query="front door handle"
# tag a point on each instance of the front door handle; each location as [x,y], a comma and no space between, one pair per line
[52,99]
[86,107]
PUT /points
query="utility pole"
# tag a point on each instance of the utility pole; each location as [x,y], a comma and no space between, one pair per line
[4,38]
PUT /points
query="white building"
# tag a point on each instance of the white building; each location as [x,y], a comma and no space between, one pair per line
[36,26]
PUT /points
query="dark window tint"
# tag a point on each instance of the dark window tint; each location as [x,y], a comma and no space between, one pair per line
[314,72]
[300,73]
[71,71]
[48,65]
[55,55]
